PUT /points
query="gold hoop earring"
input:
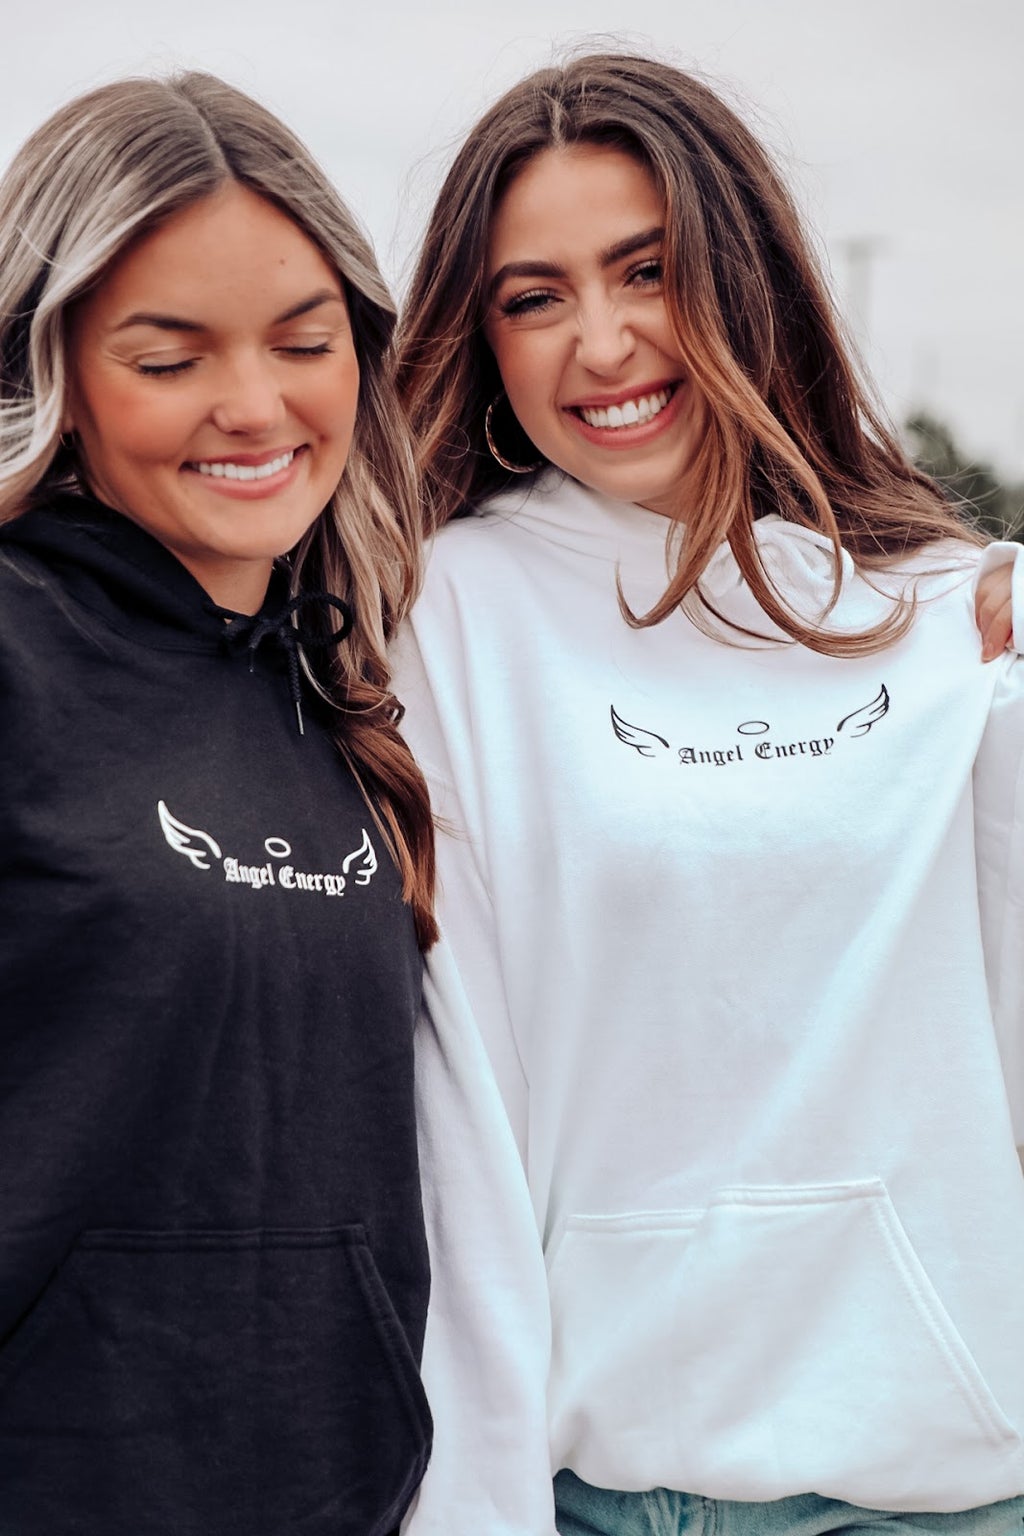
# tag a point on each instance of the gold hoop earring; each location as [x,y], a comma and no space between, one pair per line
[515,469]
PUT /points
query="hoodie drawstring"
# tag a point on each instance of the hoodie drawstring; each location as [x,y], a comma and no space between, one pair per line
[250,631]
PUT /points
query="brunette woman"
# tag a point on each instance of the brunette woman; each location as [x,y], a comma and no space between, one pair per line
[720,1141]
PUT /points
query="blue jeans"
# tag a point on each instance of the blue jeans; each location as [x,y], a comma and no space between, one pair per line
[581,1510]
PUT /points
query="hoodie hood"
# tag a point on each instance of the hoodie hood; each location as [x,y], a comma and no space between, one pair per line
[120,572]
[799,562]
[127,578]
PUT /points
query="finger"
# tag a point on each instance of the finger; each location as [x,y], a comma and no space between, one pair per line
[993,591]
[996,630]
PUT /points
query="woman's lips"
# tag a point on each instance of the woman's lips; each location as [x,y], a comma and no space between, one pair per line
[248,474]
[631,421]
[245,467]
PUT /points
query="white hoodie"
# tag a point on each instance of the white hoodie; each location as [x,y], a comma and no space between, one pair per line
[717,1141]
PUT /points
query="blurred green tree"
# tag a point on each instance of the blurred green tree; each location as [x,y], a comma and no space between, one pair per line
[996,507]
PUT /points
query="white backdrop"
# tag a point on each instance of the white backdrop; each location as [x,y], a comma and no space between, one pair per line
[899,122]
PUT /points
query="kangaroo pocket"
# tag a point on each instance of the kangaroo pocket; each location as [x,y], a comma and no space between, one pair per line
[209,1384]
[784,1340]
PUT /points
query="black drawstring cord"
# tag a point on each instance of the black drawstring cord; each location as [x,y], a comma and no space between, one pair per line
[251,630]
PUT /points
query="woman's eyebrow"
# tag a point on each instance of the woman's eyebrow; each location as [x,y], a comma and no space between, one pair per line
[524,269]
[322,296]
[161,322]
[158,322]
[629,247]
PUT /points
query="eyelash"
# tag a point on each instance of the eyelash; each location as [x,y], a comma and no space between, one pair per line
[166,370]
[646,274]
[163,370]
[532,303]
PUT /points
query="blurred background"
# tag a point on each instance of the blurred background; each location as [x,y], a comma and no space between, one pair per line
[897,122]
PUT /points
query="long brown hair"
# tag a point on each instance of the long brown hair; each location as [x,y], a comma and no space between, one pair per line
[110,166]
[790,427]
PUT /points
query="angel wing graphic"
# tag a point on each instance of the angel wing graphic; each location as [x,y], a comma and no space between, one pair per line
[647,743]
[868,715]
[195,845]
[363,860]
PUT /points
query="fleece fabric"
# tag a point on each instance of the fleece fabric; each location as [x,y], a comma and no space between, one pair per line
[213,1272]
[717,1130]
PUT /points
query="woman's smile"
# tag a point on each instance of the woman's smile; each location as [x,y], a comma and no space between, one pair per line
[630,419]
[249,476]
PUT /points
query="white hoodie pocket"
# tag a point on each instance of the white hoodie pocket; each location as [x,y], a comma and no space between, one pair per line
[785,1340]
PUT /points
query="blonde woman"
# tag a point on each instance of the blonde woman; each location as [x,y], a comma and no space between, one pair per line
[215,848]
[729,1221]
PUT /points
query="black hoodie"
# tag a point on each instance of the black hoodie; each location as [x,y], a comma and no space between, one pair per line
[213,1275]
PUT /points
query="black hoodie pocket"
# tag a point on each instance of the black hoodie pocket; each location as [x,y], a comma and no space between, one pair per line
[208,1384]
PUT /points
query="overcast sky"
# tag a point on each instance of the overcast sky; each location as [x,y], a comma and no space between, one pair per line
[899,123]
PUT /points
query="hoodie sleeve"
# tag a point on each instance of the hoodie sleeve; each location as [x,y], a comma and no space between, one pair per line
[487,1346]
[71,1079]
[999,841]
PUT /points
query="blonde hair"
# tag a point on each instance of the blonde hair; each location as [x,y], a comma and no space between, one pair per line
[110,166]
[789,427]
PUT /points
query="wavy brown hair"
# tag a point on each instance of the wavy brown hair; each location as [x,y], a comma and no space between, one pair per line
[109,167]
[790,427]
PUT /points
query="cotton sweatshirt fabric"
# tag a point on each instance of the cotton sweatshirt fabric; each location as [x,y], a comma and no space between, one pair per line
[213,1274]
[720,1171]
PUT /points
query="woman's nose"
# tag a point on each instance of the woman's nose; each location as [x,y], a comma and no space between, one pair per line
[249,397]
[605,340]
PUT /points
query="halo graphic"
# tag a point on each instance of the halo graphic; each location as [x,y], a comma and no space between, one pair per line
[277,847]
[753,727]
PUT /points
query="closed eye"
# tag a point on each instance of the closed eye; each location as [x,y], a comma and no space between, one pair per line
[162,370]
[533,302]
[166,370]
[320,349]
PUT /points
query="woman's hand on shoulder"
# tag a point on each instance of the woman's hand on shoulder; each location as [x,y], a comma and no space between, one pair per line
[993,609]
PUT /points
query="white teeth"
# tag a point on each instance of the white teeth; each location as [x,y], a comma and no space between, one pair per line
[221,470]
[643,408]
